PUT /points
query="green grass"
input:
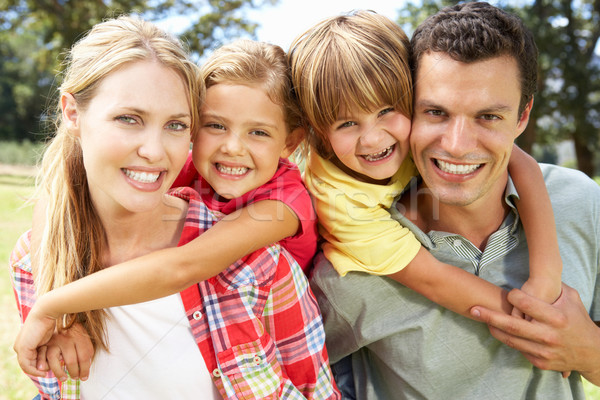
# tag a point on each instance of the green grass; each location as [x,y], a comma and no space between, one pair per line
[15,218]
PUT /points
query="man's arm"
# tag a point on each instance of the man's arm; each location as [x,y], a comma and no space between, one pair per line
[561,336]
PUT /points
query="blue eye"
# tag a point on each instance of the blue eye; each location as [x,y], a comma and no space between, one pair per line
[385,111]
[126,119]
[347,124]
[177,126]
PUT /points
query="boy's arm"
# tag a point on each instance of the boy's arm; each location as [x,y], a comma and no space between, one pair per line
[450,286]
[535,209]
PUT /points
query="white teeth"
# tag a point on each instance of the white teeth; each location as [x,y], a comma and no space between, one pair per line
[231,170]
[459,169]
[143,177]
[380,155]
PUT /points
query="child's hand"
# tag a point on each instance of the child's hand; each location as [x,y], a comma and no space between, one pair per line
[543,288]
[35,332]
[71,349]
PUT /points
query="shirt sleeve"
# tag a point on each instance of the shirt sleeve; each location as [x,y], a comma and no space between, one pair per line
[293,319]
[24,289]
[362,238]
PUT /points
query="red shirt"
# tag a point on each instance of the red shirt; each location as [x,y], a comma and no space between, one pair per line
[285,186]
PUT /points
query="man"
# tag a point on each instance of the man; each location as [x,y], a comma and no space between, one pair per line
[475,74]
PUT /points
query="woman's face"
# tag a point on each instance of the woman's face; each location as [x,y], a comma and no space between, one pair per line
[134,134]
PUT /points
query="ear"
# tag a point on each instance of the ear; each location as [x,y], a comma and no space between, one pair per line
[70,113]
[292,141]
[524,118]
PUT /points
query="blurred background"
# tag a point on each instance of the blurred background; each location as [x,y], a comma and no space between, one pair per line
[564,127]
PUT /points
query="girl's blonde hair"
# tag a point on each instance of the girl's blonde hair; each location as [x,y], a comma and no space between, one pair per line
[73,240]
[251,63]
[357,60]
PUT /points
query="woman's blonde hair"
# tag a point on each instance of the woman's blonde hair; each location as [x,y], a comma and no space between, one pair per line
[356,60]
[73,240]
[251,63]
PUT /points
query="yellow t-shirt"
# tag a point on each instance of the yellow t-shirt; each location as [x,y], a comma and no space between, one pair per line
[354,219]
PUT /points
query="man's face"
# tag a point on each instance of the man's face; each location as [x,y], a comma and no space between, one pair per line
[464,125]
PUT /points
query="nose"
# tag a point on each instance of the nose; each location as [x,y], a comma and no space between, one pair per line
[460,137]
[232,145]
[152,147]
[371,136]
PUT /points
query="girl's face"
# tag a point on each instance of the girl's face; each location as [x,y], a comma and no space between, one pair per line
[242,136]
[370,146]
[134,134]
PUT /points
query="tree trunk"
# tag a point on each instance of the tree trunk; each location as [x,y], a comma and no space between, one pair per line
[585,157]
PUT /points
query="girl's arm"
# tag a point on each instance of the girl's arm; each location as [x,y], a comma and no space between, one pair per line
[535,209]
[157,274]
[168,271]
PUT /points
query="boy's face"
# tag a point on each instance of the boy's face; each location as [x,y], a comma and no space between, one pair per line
[241,138]
[464,125]
[370,146]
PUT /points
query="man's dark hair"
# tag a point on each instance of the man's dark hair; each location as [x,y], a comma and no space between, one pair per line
[478,31]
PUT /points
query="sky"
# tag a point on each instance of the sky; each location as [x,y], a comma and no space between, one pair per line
[281,23]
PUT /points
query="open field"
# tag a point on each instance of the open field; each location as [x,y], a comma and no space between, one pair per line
[16,184]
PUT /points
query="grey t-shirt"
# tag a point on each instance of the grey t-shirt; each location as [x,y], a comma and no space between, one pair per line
[403,346]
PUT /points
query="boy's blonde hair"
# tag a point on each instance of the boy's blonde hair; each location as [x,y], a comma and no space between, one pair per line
[357,60]
[260,64]
[74,240]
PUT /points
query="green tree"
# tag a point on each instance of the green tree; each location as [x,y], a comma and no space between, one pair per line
[34,35]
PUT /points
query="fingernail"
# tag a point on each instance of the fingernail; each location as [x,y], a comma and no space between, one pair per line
[475,312]
[63,378]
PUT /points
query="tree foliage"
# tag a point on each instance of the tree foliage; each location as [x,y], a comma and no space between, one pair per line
[34,35]
[567,104]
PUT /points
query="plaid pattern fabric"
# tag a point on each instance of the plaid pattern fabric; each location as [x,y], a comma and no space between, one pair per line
[257,323]
[22,280]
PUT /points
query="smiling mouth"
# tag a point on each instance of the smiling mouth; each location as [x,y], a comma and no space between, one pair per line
[237,171]
[380,155]
[458,169]
[142,177]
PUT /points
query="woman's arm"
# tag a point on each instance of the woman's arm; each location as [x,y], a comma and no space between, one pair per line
[535,209]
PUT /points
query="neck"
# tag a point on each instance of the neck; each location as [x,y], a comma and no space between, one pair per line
[476,222]
[130,235]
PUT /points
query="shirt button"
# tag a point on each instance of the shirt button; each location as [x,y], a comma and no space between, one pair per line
[457,243]
[197,315]
[216,373]
[256,360]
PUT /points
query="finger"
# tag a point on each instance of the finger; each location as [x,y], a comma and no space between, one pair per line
[516,313]
[533,307]
[42,364]
[566,374]
[55,362]
[69,356]
[84,357]
[28,362]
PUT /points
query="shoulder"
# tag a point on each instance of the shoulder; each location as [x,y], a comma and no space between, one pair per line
[570,186]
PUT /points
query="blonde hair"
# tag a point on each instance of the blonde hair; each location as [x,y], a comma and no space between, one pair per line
[356,60]
[73,241]
[251,63]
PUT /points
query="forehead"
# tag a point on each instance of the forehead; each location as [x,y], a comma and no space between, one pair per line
[493,82]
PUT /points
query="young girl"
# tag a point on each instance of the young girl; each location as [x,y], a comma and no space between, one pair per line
[256,323]
[353,80]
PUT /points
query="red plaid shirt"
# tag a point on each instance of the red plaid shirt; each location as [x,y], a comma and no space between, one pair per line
[257,324]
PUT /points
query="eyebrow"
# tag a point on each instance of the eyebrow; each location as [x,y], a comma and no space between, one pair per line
[501,108]
[250,122]
[144,112]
